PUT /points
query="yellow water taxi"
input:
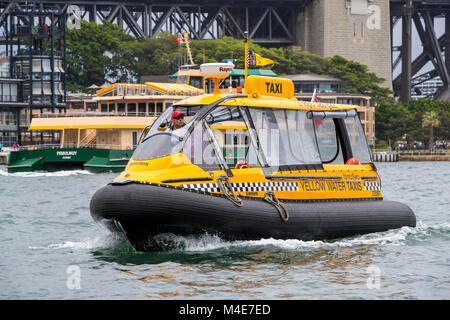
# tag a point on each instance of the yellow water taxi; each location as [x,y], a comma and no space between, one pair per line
[250,165]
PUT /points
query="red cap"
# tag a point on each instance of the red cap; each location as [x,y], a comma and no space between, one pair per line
[176,114]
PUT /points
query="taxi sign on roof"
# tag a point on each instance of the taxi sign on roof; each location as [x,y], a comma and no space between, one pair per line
[271,86]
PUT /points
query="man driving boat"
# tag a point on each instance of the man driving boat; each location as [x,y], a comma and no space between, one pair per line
[177,120]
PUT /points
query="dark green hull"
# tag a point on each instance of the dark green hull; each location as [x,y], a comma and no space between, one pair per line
[94,160]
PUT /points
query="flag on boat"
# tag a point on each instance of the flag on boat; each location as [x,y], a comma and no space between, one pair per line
[260,61]
[314,97]
[255,60]
[317,121]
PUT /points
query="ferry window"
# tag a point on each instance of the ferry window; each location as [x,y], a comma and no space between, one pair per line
[343,101]
[131,108]
[104,108]
[92,106]
[286,136]
[182,79]
[77,105]
[112,107]
[235,82]
[308,87]
[196,82]
[324,87]
[209,85]
[327,141]
[141,108]
[225,83]
[358,142]
[159,107]
[151,108]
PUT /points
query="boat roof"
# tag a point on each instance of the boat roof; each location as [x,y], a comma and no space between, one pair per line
[266,102]
[266,92]
[89,122]
[173,88]
[149,88]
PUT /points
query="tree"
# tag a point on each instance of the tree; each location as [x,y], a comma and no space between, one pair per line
[430,119]
[94,54]
[99,52]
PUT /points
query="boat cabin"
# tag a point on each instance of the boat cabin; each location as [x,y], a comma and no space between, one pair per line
[254,137]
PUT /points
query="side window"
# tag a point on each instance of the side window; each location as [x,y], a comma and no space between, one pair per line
[358,142]
[340,136]
[328,141]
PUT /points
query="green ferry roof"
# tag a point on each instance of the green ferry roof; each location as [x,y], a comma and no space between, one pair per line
[250,72]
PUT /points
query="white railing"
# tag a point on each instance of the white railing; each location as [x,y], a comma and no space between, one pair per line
[70,145]
[93,114]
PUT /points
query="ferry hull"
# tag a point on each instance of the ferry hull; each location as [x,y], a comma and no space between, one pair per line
[91,159]
[141,211]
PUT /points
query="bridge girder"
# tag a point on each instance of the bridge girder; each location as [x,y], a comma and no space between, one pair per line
[421,14]
[268,22]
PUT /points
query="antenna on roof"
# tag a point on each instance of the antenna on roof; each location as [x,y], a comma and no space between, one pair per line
[246,60]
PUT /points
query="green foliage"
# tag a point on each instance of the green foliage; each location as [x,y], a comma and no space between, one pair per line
[93,53]
[99,52]
[394,120]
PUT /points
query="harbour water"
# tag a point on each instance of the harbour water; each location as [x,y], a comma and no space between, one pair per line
[51,249]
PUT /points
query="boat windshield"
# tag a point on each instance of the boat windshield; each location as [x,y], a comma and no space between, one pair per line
[163,139]
[280,139]
[221,141]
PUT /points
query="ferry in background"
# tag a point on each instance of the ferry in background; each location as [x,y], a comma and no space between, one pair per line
[100,138]
[100,134]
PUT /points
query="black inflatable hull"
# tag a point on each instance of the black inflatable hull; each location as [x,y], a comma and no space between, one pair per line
[142,211]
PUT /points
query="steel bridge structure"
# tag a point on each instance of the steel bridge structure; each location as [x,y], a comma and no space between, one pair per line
[268,22]
[422,14]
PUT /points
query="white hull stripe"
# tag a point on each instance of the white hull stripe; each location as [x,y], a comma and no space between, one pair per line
[247,186]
